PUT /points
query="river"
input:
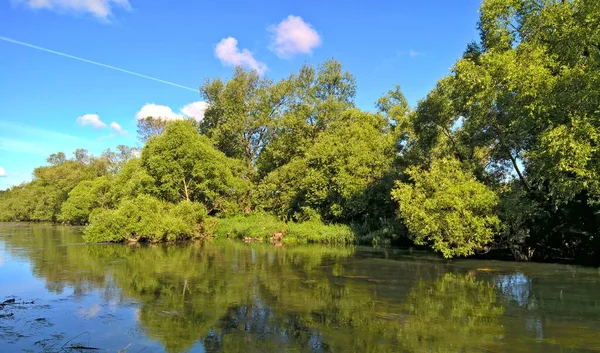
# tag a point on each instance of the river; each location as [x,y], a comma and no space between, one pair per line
[62,295]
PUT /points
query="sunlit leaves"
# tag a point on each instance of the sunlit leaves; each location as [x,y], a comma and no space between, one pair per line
[448,208]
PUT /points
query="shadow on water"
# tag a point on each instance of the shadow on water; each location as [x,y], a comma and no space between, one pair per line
[221,296]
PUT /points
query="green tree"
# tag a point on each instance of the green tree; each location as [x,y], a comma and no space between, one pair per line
[131,181]
[241,113]
[333,178]
[186,166]
[56,158]
[448,208]
[319,96]
[84,198]
[151,126]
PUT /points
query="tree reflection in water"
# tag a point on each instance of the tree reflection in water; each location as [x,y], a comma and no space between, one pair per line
[223,296]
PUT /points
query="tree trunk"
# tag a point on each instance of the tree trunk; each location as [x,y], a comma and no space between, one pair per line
[185,189]
[516,166]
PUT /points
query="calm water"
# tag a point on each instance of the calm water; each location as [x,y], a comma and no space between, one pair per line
[233,297]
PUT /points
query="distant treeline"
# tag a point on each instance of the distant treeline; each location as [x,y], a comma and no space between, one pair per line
[502,153]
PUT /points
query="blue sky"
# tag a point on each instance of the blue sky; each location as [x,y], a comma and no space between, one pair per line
[52,103]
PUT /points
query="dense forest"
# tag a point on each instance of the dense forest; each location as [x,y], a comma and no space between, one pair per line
[502,154]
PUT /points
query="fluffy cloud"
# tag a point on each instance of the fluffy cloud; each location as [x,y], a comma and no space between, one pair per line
[99,8]
[157,111]
[117,129]
[92,120]
[2,173]
[193,110]
[227,51]
[294,36]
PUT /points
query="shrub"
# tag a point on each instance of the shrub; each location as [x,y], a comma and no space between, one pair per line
[146,218]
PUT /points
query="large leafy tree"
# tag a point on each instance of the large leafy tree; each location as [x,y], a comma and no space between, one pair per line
[319,95]
[333,178]
[186,166]
[241,113]
[523,104]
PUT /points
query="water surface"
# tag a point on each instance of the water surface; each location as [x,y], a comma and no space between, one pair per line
[223,296]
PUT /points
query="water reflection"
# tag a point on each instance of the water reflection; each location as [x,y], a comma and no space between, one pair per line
[232,297]
[515,287]
[554,306]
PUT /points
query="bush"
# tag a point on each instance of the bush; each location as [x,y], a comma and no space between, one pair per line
[83,199]
[146,218]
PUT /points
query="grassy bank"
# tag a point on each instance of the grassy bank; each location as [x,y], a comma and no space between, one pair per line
[267,228]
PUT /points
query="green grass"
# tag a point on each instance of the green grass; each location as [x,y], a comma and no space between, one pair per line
[316,232]
[262,227]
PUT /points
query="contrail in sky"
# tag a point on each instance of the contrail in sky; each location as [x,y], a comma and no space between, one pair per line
[9,40]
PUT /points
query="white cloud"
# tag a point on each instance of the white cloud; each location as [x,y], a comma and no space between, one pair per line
[294,36]
[92,120]
[227,51]
[157,111]
[193,110]
[117,129]
[2,173]
[99,8]
[91,312]
[414,53]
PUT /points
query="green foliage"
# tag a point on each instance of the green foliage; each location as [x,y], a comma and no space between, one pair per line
[502,152]
[447,207]
[146,218]
[131,181]
[151,126]
[41,200]
[567,160]
[319,96]
[523,103]
[334,177]
[263,226]
[85,197]
[387,232]
[116,160]
[255,226]
[186,166]
[315,232]
[241,113]
[518,215]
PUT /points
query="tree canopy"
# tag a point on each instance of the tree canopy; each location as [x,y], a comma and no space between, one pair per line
[502,153]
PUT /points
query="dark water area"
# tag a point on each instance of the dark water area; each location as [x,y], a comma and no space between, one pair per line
[221,296]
